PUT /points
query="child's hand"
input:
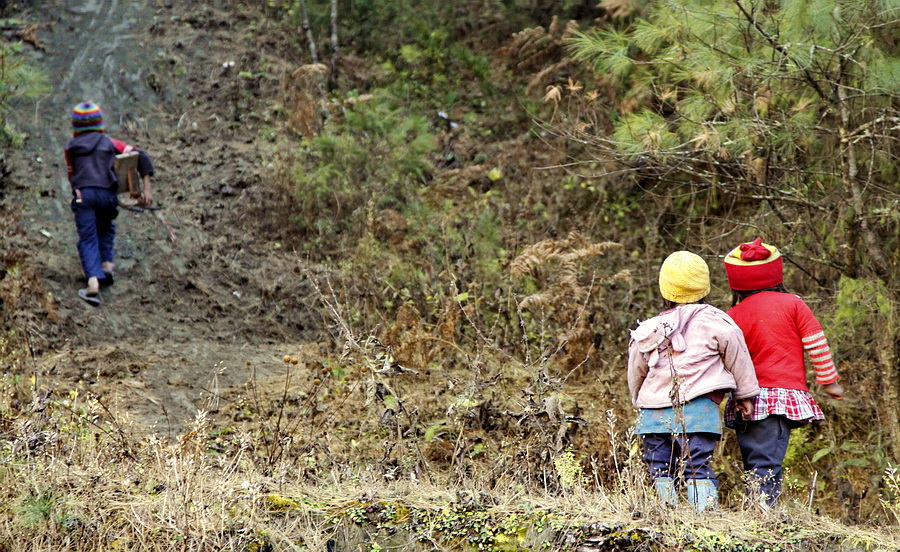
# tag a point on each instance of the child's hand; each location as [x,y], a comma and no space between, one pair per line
[745,407]
[835,390]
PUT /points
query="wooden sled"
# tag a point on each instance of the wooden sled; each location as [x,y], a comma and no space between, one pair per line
[126,167]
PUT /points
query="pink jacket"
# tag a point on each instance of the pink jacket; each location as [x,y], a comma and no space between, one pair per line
[704,348]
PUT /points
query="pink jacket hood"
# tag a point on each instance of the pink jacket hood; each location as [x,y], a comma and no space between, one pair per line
[695,348]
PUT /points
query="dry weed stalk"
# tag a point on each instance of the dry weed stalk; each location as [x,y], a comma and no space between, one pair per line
[381,383]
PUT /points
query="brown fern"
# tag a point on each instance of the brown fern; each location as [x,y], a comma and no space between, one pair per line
[540,53]
[620,8]
[564,295]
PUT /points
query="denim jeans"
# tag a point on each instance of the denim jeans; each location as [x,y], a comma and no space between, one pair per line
[94,213]
[670,455]
[763,446]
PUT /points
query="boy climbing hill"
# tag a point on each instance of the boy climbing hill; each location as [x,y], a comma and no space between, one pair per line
[90,158]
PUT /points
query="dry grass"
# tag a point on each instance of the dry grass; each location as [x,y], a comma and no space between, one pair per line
[363,451]
[74,479]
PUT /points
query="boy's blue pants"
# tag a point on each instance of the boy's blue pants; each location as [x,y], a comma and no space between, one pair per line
[672,455]
[94,215]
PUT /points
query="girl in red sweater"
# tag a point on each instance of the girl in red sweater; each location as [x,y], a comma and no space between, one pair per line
[779,328]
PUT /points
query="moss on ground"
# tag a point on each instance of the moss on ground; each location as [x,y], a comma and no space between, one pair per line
[376,525]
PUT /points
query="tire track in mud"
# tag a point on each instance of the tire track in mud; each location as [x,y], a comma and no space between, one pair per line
[155,353]
[91,52]
[101,36]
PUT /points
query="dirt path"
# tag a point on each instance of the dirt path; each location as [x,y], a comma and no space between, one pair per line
[185,316]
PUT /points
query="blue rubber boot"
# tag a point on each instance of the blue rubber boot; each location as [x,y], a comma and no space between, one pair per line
[665,490]
[702,494]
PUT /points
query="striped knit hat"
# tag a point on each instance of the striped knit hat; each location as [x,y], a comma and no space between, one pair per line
[754,265]
[87,117]
[684,278]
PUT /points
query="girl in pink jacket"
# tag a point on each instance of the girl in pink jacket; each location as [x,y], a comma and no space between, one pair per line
[681,364]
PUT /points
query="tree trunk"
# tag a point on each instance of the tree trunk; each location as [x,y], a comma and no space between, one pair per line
[334,43]
[309,35]
[849,175]
[890,352]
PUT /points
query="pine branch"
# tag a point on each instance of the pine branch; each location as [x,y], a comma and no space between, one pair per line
[809,79]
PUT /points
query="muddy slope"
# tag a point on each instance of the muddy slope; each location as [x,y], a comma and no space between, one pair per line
[199,292]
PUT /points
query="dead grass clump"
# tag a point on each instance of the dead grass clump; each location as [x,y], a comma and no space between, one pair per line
[542,50]
[302,94]
[454,183]
[95,486]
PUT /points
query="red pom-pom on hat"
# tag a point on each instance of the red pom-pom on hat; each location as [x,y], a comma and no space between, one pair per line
[754,251]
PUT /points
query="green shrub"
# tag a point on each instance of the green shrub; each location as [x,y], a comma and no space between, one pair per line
[437,71]
[18,80]
[374,157]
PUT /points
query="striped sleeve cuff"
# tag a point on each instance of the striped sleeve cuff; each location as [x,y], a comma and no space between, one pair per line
[820,355]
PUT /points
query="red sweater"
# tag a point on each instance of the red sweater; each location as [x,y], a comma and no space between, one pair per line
[778,327]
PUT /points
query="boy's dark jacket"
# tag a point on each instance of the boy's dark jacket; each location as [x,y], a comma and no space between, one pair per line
[91,157]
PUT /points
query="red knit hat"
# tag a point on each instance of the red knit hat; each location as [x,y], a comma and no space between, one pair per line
[754,265]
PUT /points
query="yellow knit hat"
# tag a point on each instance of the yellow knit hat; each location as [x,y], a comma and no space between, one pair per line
[684,278]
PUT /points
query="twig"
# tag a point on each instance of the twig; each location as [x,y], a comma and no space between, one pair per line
[812,489]
[162,219]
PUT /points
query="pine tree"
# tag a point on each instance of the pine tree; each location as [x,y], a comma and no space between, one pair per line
[783,107]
